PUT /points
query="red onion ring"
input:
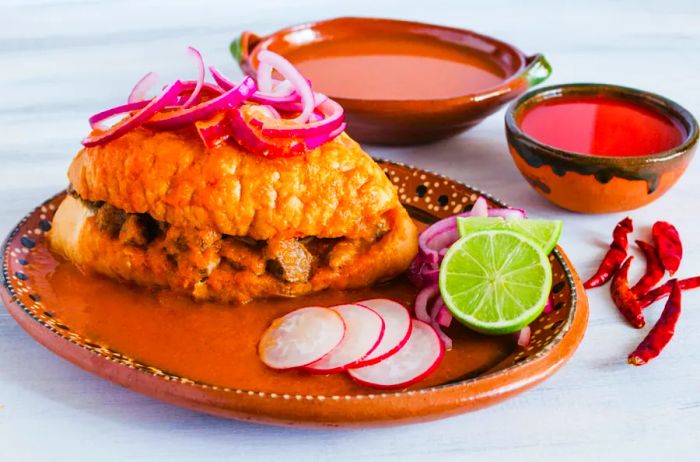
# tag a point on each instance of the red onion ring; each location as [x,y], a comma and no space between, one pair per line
[438,306]
[231,99]
[246,136]
[269,61]
[420,306]
[138,93]
[284,93]
[168,97]
[95,119]
[508,214]
[200,76]
[333,118]
[318,140]
[444,317]
[220,79]
[548,307]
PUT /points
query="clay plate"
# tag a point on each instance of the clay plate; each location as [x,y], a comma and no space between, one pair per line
[203,356]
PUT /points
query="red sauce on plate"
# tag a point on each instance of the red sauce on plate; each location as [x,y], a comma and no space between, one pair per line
[601,126]
[216,343]
[395,68]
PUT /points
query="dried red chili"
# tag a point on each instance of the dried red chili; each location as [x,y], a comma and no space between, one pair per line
[665,289]
[625,300]
[668,245]
[662,332]
[614,257]
[654,271]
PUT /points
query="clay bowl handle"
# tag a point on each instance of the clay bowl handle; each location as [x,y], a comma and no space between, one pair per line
[241,49]
[537,70]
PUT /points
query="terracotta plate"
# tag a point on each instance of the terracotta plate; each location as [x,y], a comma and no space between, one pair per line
[203,356]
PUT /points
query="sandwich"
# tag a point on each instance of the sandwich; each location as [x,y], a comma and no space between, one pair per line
[223,220]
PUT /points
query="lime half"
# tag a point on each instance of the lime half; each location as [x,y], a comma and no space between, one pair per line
[496,281]
[544,232]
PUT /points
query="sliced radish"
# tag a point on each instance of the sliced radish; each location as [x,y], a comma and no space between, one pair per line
[413,362]
[301,337]
[397,328]
[364,329]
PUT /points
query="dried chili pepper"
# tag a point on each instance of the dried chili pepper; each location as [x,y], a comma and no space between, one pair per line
[662,332]
[665,289]
[625,300]
[668,245]
[614,257]
[654,272]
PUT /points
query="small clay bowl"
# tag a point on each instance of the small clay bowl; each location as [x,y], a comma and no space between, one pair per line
[599,184]
[407,121]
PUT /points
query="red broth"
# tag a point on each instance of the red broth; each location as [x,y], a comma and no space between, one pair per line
[395,68]
[601,126]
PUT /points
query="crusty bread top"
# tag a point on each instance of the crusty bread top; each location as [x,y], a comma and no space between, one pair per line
[333,191]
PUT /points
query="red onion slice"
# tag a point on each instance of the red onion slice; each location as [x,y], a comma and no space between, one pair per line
[420,306]
[444,317]
[264,76]
[437,307]
[268,61]
[333,118]
[283,93]
[318,140]
[524,336]
[168,97]
[220,79]
[138,93]
[508,214]
[95,119]
[200,76]
[480,208]
[548,308]
[231,99]
[247,137]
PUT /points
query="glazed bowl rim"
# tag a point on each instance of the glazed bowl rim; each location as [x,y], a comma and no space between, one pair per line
[480,96]
[643,98]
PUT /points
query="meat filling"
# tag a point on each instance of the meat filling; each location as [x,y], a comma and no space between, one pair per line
[287,259]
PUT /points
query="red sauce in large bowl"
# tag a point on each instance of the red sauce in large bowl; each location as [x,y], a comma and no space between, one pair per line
[395,68]
[602,126]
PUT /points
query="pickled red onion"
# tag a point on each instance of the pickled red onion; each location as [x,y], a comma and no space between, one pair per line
[269,60]
[168,97]
[138,93]
[200,76]
[95,119]
[231,99]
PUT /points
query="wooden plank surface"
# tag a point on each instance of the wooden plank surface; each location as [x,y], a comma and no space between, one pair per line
[63,60]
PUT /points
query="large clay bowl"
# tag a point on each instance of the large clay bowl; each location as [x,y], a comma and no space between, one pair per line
[404,122]
[203,356]
[596,184]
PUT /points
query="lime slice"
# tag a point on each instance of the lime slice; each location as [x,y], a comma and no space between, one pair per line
[495,282]
[544,232]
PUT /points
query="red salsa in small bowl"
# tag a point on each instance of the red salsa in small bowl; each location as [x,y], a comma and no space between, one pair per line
[597,148]
[601,125]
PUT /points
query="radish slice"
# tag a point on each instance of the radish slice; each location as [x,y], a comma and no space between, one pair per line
[413,362]
[397,328]
[364,329]
[301,337]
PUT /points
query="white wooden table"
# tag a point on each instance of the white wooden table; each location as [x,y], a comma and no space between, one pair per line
[63,60]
